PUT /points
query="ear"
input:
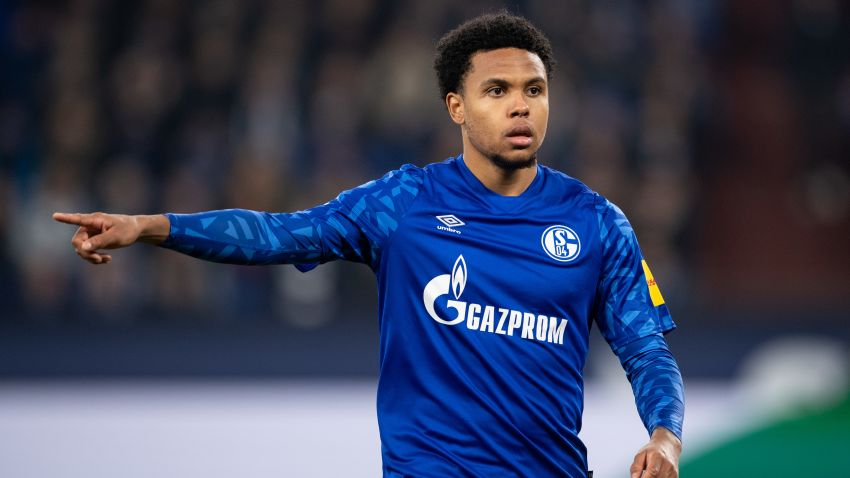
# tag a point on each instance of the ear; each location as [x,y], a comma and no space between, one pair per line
[454,103]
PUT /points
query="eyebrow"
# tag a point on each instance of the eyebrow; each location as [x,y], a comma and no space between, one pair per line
[505,83]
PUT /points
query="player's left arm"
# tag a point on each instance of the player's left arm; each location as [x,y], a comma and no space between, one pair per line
[632,316]
[659,396]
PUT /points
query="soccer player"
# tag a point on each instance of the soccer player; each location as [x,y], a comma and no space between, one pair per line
[491,269]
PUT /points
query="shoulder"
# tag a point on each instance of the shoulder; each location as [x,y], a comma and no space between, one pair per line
[566,188]
[408,175]
[404,181]
[441,169]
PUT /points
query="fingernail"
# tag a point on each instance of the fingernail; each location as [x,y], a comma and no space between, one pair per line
[86,245]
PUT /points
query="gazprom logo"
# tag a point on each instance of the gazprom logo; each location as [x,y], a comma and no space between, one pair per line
[440,285]
[483,317]
[561,243]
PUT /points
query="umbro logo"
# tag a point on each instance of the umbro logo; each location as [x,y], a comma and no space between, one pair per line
[450,222]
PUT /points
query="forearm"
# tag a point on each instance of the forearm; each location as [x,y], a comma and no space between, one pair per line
[656,383]
[238,236]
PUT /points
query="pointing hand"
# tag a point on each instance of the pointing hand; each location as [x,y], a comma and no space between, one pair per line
[99,231]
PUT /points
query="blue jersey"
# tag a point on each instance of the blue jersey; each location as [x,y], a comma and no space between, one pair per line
[485,307]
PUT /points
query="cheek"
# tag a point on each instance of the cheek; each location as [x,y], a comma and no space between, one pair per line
[542,119]
[479,123]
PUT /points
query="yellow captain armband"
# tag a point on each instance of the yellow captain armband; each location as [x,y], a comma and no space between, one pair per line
[654,291]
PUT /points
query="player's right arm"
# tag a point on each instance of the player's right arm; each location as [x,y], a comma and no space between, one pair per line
[231,236]
[354,226]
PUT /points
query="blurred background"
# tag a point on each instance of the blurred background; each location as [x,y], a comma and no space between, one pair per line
[722,129]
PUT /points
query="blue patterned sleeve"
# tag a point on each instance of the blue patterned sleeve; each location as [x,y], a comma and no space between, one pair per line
[353,226]
[633,317]
[629,304]
[656,383]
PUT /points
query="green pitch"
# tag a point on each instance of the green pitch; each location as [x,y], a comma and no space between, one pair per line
[814,444]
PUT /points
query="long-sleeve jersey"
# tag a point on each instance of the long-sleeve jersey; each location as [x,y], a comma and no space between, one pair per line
[485,307]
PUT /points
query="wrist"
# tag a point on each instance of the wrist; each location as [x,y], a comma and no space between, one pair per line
[661,434]
[153,229]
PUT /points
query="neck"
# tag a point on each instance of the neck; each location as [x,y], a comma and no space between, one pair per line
[505,182]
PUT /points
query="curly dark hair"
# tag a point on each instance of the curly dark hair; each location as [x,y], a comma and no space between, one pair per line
[487,32]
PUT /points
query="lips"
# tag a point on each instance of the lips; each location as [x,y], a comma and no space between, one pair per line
[520,135]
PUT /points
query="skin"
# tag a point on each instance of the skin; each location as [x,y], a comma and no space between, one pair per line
[98,231]
[658,458]
[504,89]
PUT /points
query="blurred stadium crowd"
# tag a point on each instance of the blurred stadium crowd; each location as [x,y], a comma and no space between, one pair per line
[721,128]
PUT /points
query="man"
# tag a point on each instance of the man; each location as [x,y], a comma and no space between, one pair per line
[491,269]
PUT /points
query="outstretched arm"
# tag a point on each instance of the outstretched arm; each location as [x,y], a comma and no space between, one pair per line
[234,236]
[354,226]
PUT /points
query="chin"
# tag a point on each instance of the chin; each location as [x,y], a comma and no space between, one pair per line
[513,162]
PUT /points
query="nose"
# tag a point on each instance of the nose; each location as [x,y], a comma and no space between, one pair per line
[519,107]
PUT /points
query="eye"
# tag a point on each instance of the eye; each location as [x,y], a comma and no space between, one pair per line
[496,91]
[535,90]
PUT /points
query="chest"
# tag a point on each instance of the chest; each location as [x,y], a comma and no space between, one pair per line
[541,260]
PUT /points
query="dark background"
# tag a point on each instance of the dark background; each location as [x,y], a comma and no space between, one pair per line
[721,128]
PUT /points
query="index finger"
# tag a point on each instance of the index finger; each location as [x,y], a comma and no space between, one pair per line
[76,219]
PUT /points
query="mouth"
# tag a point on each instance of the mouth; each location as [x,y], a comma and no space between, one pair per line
[521,136]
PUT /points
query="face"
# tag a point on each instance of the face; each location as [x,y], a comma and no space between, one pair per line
[503,108]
